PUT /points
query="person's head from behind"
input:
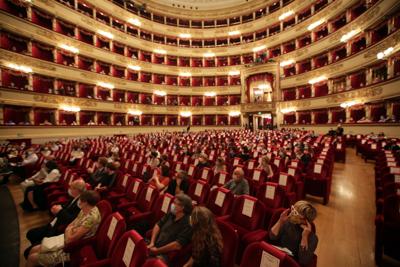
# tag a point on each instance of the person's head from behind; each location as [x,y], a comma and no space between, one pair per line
[76,188]
[302,212]
[220,162]
[153,154]
[101,162]
[206,233]
[238,174]
[51,165]
[88,199]
[203,158]
[265,161]
[182,205]
[181,175]
[111,168]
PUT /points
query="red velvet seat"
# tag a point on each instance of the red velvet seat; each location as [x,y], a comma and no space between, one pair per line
[247,215]
[103,244]
[264,254]
[231,244]
[131,194]
[142,207]
[220,179]
[220,201]
[273,197]
[198,191]
[317,182]
[256,180]
[130,251]
[120,189]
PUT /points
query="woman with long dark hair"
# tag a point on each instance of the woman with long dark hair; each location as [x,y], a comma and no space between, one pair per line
[206,240]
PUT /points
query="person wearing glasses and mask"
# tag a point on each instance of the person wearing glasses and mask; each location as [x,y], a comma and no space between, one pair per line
[173,231]
[294,231]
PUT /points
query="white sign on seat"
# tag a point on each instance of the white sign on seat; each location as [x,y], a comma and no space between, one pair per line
[111,228]
[198,190]
[128,253]
[268,260]
[165,204]
[248,207]
[270,192]
[219,201]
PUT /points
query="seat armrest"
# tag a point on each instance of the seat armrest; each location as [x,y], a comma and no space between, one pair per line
[78,244]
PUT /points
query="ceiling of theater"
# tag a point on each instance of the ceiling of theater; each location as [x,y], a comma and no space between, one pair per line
[201,4]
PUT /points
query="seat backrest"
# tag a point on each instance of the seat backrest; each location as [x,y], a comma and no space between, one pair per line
[231,244]
[221,178]
[162,206]
[220,201]
[131,251]
[147,197]
[134,189]
[263,254]
[104,208]
[198,191]
[248,212]
[108,234]
[271,194]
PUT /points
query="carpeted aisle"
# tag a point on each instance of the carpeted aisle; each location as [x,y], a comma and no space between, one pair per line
[9,230]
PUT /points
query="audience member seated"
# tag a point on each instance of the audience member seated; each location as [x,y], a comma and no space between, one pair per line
[238,185]
[382,119]
[207,240]
[173,231]
[63,215]
[108,178]
[76,155]
[46,122]
[339,130]
[179,184]
[264,164]
[219,166]
[294,231]
[96,176]
[159,181]
[364,120]
[164,165]
[244,154]
[29,158]
[203,162]
[34,198]
[84,226]
[91,123]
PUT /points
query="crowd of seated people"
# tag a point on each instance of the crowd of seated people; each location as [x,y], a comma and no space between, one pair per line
[184,166]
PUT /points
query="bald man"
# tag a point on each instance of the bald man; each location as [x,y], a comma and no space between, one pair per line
[63,215]
[238,185]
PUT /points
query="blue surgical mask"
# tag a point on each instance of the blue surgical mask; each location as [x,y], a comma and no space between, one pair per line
[173,208]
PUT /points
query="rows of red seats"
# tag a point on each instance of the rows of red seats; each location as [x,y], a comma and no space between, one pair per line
[243,220]
[387,220]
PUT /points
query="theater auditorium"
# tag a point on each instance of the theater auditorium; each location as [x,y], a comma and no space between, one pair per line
[200,133]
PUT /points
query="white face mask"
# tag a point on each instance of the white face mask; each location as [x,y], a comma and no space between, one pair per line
[173,208]
[70,192]
[79,204]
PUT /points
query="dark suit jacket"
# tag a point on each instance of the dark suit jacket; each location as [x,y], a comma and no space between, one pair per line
[67,214]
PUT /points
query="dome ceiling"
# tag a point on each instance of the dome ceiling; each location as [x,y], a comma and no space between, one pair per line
[201,9]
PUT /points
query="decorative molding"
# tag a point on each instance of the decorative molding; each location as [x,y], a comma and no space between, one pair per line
[81,102]
[357,94]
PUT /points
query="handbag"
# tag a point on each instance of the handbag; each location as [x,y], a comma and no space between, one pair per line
[53,243]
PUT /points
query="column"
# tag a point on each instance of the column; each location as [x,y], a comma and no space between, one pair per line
[96,119]
[348,114]
[348,83]
[297,118]
[30,82]
[57,117]
[369,76]
[312,117]
[31,117]
[367,111]
[329,116]
[312,90]
[390,68]
[297,93]
[389,109]
[330,86]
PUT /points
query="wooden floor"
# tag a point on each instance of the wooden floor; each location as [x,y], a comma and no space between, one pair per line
[345,226]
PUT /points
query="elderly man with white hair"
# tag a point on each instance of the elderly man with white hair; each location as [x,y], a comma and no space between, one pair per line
[238,185]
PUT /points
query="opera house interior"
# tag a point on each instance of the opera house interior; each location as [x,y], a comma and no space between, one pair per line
[204,133]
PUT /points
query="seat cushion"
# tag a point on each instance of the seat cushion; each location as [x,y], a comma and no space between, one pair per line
[87,255]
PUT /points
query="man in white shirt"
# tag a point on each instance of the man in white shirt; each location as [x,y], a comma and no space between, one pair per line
[29,159]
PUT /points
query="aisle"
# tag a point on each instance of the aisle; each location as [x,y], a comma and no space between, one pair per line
[345,226]
[26,220]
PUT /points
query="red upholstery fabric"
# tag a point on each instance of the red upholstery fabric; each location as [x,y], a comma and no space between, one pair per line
[220,201]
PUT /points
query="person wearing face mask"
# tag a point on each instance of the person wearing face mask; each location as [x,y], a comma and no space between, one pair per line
[203,162]
[238,185]
[294,231]
[63,215]
[173,231]
[83,226]
[96,176]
